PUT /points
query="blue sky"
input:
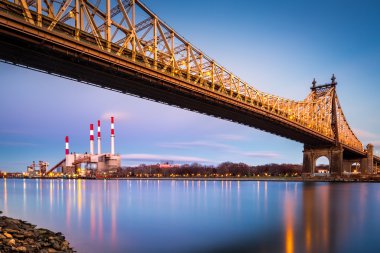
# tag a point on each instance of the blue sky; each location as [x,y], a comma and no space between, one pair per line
[276,46]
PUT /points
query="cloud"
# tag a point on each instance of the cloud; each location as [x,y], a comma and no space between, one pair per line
[196,144]
[262,154]
[365,134]
[219,146]
[17,144]
[16,162]
[13,132]
[158,158]
[230,137]
[118,116]
[12,166]
[376,144]
[368,137]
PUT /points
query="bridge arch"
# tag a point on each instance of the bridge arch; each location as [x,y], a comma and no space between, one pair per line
[355,167]
[322,164]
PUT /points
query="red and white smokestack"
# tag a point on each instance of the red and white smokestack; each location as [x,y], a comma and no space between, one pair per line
[67,145]
[112,136]
[91,139]
[99,138]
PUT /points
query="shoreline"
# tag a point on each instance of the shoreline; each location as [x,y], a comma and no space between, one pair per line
[272,179]
[20,236]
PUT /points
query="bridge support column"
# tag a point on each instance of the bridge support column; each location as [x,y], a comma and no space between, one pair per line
[333,154]
[370,167]
[366,164]
[336,163]
[308,166]
[376,168]
[347,164]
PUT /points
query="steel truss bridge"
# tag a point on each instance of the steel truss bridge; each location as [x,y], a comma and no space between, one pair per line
[123,46]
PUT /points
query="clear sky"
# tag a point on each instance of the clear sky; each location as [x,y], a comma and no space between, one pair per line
[277,46]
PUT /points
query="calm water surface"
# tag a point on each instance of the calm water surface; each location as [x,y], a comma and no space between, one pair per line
[200,216]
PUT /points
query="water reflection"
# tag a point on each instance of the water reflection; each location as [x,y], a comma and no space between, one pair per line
[51,194]
[289,211]
[5,195]
[92,218]
[200,216]
[79,198]
[314,217]
[68,203]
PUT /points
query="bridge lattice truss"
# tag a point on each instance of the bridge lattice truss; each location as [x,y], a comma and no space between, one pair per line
[129,29]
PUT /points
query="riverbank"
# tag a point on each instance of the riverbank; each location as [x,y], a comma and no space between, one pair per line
[279,179]
[367,178]
[20,236]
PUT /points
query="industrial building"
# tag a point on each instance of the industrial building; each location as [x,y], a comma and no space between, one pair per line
[89,164]
[32,170]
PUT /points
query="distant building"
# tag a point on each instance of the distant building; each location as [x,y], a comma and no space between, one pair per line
[167,165]
[13,175]
[32,171]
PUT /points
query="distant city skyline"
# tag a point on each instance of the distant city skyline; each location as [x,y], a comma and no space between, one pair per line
[276,46]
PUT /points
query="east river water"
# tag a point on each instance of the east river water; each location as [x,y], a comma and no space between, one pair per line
[200,216]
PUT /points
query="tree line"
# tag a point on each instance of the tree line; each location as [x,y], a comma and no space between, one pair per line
[226,169]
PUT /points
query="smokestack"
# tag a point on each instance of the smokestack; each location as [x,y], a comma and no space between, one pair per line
[99,138]
[112,136]
[91,139]
[67,145]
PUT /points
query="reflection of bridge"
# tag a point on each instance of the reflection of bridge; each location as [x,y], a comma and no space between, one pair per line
[127,48]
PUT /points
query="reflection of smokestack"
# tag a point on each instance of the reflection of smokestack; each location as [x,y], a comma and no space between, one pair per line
[99,144]
[91,139]
[112,136]
[67,145]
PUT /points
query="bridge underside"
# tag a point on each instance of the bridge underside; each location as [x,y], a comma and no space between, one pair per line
[55,54]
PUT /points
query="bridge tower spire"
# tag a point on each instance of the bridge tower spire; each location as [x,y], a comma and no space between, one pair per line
[334,115]
[314,83]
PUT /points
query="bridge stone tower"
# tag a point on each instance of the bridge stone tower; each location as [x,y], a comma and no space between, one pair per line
[334,154]
[340,160]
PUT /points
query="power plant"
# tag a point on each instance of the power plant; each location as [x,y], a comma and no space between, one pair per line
[87,164]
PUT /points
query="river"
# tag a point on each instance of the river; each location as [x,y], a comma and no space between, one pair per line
[200,216]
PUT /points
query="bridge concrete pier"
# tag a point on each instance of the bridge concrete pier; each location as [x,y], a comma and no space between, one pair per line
[333,154]
[338,163]
[370,167]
